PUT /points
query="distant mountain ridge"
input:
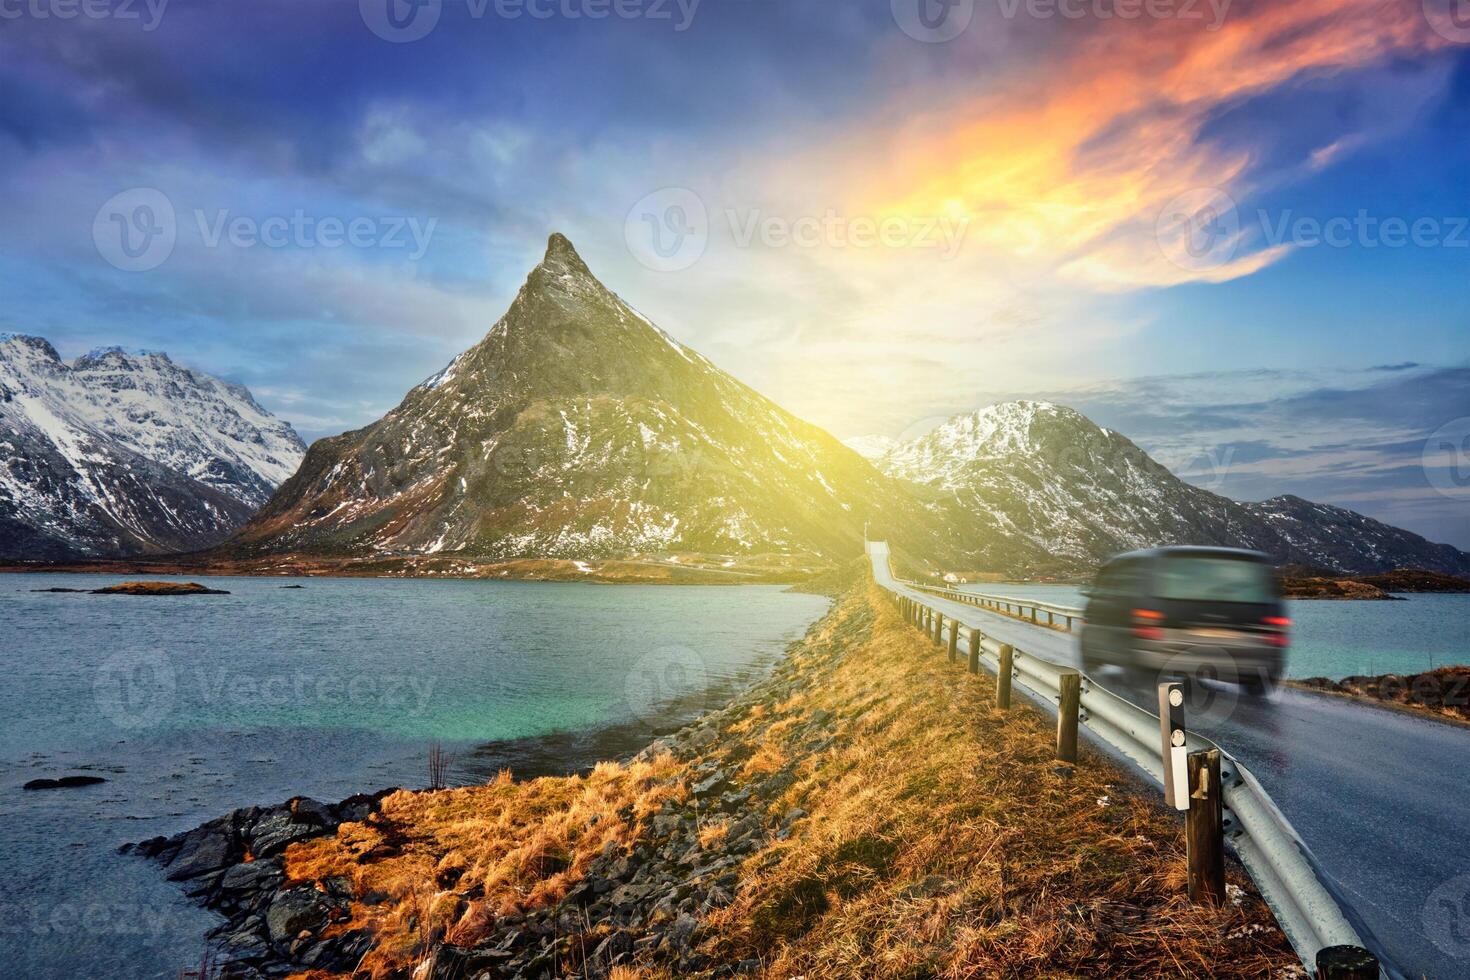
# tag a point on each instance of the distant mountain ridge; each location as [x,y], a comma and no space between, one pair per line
[576,429]
[127,453]
[1067,494]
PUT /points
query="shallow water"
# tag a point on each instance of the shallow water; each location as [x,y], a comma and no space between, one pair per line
[192,706]
[1335,638]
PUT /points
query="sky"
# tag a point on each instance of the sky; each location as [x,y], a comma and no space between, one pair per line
[1237,232]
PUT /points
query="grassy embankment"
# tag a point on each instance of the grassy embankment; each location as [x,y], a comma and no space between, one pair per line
[928,835]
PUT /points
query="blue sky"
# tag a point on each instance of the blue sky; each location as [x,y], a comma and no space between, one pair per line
[1113,213]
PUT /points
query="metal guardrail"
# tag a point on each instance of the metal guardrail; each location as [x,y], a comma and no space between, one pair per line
[1011,606]
[1276,858]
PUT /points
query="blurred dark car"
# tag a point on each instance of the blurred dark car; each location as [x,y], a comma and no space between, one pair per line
[1189,612]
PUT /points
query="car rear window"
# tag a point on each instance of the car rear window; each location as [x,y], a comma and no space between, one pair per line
[1214,579]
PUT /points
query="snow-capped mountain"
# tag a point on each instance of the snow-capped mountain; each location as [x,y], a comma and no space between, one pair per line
[120,453]
[1334,537]
[1040,486]
[576,429]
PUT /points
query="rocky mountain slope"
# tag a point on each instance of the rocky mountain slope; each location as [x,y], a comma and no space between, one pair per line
[122,453]
[1050,483]
[577,429]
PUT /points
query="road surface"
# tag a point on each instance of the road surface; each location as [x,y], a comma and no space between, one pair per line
[1381,797]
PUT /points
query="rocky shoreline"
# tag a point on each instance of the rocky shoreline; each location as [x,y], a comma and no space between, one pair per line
[234,865]
[649,901]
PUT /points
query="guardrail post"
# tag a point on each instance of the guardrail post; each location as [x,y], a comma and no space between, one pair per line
[1346,963]
[1003,676]
[1070,684]
[1204,836]
[974,650]
[954,639]
[938,636]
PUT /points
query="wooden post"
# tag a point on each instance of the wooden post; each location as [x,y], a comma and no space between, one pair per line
[1003,676]
[1346,963]
[954,639]
[939,628]
[1204,837]
[1068,707]
[974,650]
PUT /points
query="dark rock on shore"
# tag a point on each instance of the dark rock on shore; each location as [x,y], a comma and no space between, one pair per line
[57,589]
[65,782]
[234,865]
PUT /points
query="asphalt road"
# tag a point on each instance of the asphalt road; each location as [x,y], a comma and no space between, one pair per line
[1381,797]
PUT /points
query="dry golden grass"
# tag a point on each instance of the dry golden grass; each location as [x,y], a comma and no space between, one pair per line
[941,841]
[446,864]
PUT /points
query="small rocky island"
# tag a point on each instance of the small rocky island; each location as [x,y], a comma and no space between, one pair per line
[158,588]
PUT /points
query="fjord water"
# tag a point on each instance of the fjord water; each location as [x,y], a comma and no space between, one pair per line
[192,706]
[1338,638]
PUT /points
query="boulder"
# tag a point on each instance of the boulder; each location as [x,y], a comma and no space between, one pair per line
[65,782]
[204,849]
[297,910]
[277,830]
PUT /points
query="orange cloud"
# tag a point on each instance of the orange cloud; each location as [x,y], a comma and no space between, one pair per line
[1075,169]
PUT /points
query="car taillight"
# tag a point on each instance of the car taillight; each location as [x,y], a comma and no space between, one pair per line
[1276,627]
[1146,624]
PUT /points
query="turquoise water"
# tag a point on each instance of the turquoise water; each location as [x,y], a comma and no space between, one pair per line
[1334,638]
[191,706]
